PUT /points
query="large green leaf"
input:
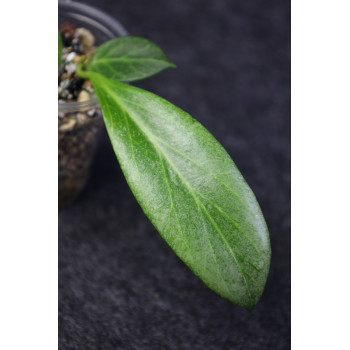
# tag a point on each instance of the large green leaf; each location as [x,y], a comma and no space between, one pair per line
[128,58]
[189,188]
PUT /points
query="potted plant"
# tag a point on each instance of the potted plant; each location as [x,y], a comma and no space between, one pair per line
[182,177]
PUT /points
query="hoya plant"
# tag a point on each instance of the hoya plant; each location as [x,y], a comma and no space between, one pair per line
[183,179]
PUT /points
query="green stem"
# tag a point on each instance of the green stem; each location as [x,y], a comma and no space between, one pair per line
[81,68]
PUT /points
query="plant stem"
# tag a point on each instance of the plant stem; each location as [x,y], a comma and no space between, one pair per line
[80,68]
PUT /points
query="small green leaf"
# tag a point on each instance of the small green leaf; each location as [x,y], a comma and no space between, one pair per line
[189,188]
[60,46]
[128,58]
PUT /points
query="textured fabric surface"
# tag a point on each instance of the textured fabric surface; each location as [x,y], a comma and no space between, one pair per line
[120,285]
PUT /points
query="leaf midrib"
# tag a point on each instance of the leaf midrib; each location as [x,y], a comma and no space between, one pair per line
[173,206]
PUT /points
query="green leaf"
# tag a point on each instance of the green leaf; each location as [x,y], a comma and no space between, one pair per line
[189,188]
[60,46]
[128,58]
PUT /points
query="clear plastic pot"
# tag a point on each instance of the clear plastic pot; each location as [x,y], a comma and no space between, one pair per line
[77,141]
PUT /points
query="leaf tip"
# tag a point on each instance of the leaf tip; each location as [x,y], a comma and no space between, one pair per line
[250,308]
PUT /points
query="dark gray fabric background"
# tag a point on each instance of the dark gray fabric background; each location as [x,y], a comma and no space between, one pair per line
[120,285]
